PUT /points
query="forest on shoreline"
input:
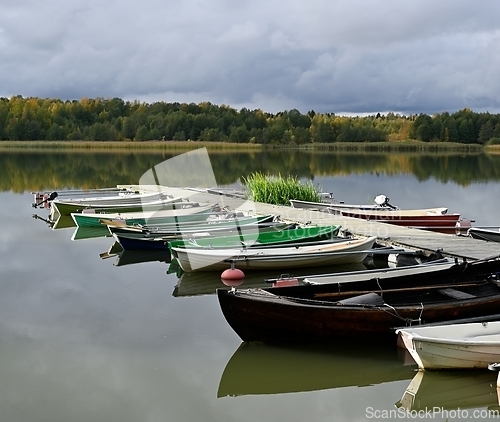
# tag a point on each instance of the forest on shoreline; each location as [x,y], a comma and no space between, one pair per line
[111,120]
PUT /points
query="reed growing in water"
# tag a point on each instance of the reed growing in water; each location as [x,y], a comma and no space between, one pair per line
[128,145]
[277,190]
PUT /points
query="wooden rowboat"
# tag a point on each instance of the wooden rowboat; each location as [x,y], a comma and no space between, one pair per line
[361,310]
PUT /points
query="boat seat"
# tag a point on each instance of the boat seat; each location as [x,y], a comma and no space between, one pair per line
[365,299]
[456,294]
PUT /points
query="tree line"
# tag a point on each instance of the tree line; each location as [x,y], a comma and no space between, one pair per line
[99,119]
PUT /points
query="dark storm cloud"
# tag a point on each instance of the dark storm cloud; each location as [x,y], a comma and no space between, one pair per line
[339,56]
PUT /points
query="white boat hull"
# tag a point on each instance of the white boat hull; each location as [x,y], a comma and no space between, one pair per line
[484,234]
[93,218]
[350,251]
[380,273]
[473,345]
[324,206]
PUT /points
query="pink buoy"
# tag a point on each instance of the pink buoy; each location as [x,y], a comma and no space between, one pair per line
[232,277]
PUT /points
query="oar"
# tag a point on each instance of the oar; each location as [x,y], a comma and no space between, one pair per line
[51,197]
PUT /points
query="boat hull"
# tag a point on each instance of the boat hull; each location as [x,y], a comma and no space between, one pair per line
[66,208]
[369,309]
[272,321]
[320,206]
[186,229]
[162,217]
[430,221]
[337,253]
[454,346]
[248,235]
[484,234]
[127,202]
[431,267]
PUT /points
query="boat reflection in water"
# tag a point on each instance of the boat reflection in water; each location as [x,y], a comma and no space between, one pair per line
[451,390]
[81,233]
[207,282]
[128,257]
[63,222]
[257,368]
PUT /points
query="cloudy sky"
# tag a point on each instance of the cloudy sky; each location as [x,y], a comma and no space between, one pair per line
[341,56]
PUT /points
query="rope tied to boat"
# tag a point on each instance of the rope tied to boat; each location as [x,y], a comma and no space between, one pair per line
[408,321]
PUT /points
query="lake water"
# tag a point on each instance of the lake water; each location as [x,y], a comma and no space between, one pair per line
[82,339]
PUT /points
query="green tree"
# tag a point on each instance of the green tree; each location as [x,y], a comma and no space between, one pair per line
[142,134]
[239,134]
[485,133]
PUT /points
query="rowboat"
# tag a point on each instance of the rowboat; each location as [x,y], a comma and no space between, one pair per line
[436,219]
[361,310]
[154,205]
[450,346]
[156,241]
[427,218]
[229,223]
[172,229]
[431,267]
[183,214]
[249,226]
[252,237]
[334,252]
[123,202]
[381,202]
[484,234]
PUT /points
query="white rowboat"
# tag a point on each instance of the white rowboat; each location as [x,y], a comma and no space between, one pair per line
[335,253]
[469,345]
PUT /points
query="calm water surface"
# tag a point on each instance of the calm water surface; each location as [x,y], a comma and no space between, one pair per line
[82,339]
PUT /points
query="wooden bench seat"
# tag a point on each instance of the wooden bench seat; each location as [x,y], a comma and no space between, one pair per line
[456,294]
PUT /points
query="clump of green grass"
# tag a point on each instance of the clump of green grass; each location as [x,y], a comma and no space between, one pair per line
[278,190]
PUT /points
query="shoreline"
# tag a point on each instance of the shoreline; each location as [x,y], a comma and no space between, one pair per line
[376,147]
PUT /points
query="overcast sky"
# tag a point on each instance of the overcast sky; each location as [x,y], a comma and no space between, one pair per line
[341,56]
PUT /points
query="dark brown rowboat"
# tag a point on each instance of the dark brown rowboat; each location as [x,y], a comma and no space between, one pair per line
[363,309]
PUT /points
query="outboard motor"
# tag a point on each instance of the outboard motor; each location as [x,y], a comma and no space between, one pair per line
[383,201]
[46,199]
